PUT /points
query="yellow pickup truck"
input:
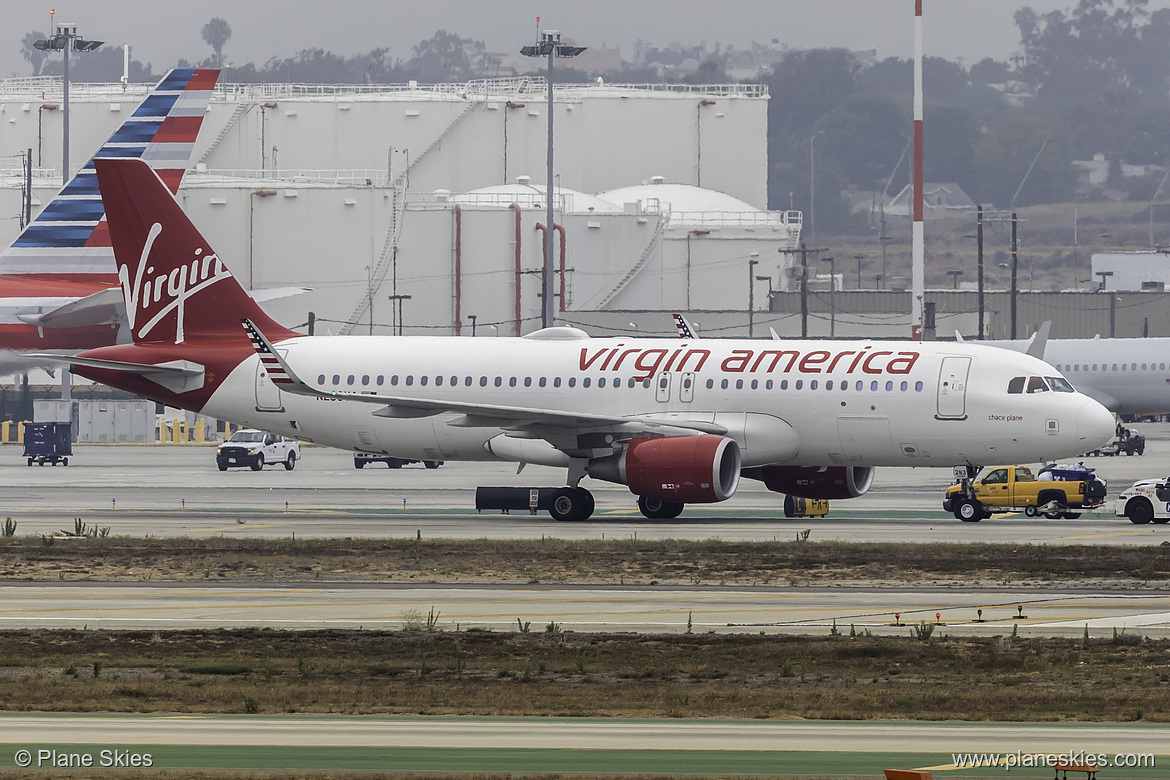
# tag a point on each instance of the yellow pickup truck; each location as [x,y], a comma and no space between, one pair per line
[1058,491]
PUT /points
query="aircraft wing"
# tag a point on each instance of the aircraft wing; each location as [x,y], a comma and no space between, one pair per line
[475,415]
[102,308]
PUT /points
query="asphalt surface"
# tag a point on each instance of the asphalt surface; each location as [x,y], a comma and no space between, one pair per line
[647,609]
[176,489]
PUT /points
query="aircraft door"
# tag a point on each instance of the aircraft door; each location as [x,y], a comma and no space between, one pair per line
[952,388]
[686,390]
[267,393]
[662,388]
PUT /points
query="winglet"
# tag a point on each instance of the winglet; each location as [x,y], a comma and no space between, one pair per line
[278,369]
[685,331]
[1039,340]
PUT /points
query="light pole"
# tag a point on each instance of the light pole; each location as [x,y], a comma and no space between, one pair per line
[399,299]
[1104,276]
[549,46]
[472,318]
[832,286]
[64,39]
[812,186]
[752,263]
[954,278]
[859,258]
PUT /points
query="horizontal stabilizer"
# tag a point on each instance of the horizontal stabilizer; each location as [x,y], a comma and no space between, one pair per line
[178,376]
[104,307]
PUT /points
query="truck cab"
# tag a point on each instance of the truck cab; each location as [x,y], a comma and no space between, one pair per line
[257,449]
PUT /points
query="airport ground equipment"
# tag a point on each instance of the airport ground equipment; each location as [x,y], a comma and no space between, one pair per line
[48,442]
[1127,441]
[256,449]
[795,506]
[1147,501]
[360,459]
[1057,491]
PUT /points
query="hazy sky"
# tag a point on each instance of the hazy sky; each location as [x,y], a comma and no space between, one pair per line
[161,32]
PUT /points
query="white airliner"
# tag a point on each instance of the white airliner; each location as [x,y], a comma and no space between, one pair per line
[677,421]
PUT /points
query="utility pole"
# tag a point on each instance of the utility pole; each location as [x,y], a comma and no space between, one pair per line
[979,253]
[1015,247]
[803,276]
[752,263]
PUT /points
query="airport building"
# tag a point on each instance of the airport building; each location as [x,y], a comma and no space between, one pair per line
[420,209]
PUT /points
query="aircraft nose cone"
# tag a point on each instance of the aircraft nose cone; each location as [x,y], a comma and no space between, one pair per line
[1095,424]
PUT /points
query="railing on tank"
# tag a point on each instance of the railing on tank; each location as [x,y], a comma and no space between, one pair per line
[368,177]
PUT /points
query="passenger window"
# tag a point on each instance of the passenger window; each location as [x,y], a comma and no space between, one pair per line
[556,381]
[768,385]
[512,381]
[723,384]
[1016,385]
[812,385]
[739,384]
[483,381]
[365,379]
[349,379]
[710,383]
[783,384]
[380,380]
[467,381]
[1124,367]
[1115,366]
[633,382]
[572,381]
[799,384]
[409,380]
[499,381]
[904,387]
[1036,385]
[861,385]
[438,381]
[755,384]
[394,380]
[336,379]
[601,382]
[543,382]
[889,386]
[829,385]
[918,387]
[585,382]
[528,381]
[422,380]
[1143,366]
[321,379]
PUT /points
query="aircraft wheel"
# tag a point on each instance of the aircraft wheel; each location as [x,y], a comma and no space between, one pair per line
[571,504]
[290,462]
[259,464]
[657,509]
[1029,511]
[968,511]
[1139,511]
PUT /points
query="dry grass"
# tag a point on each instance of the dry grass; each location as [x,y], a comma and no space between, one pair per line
[586,561]
[494,674]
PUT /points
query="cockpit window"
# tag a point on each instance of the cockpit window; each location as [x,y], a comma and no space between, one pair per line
[1016,385]
[1060,384]
[1036,385]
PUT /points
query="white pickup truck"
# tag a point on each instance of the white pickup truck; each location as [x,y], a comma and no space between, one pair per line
[257,449]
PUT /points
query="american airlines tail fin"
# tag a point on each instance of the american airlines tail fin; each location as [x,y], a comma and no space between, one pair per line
[175,287]
[69,241]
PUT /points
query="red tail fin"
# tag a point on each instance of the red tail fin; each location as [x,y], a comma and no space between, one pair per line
[175,287]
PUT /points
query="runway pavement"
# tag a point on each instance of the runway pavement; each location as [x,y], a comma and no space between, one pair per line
[1065,612]
[564,744]
[176,489]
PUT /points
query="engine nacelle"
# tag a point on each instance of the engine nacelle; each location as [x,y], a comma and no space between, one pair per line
[699,469]
[826,482]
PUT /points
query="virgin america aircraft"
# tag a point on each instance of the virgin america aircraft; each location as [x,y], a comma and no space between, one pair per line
[677,421]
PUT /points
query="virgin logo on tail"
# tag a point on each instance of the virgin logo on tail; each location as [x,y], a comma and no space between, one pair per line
[171,289]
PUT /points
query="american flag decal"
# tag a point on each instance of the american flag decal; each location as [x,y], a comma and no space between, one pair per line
[268,358]
[684,330]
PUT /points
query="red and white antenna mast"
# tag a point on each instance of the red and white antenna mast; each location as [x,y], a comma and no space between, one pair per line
[918,237]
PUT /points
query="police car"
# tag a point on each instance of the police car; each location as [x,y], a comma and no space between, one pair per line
[1148,501]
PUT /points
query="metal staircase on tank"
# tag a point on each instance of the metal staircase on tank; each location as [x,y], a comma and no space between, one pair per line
[397,213]
[655,241]
[234,117]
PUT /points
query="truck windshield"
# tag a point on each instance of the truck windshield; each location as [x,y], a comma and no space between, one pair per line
[1060,384]
[247,436]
